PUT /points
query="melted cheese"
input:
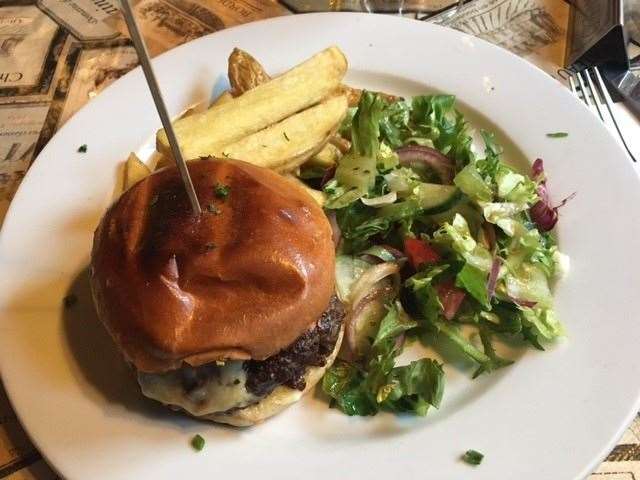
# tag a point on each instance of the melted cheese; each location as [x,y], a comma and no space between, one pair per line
[222,390]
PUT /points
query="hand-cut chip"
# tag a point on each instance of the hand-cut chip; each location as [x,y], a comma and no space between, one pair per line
[289,143]
[134,171]
[224,97]
[317,195]
[304,85]
[325,158]
[340,143]
[245,72]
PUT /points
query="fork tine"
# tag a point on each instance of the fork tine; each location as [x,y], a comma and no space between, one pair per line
[585,93]
[572,84]
[609,103]
[596,98]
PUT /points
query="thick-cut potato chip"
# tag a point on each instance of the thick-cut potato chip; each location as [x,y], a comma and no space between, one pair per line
[341,143]
[318,196]
[325,158]
[304,85]
[224,97]
[289,143]
[245,72]
[134,171]
[354,94]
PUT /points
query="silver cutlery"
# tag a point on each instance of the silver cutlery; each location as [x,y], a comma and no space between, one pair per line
[589,87]
[145,63]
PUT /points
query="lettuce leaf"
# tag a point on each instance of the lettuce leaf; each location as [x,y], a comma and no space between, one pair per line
[365,128]
[472,184]
[457,235]
[382,385]
[528,283]
[544,321]
[474,281]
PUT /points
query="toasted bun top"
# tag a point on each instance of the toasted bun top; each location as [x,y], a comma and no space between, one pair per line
[243,280]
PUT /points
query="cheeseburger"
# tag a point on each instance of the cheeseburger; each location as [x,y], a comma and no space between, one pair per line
[229,316]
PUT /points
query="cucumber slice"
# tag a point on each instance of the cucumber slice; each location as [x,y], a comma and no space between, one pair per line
[434,198]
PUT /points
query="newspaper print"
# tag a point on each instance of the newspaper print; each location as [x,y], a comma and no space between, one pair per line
[533,29]
[383,6]
[29,45]
[87,20]
[20,126]
[95,70]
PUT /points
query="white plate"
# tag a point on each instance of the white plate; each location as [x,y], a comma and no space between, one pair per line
[553,415]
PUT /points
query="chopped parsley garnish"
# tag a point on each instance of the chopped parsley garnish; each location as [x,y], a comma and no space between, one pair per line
[82,148]
[70,300]
[472,457]
[557,134]
[221,190]
[211,208]
[197,442]
[286,136]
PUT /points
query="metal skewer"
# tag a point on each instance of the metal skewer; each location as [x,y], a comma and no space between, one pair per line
[145,63]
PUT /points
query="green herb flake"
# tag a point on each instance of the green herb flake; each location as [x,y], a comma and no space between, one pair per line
[221,190]
[70,300]
[557,134]
[286,136]
[197,442]
[82,148]
[472,457]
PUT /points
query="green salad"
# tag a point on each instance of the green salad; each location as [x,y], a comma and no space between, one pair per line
[434,240]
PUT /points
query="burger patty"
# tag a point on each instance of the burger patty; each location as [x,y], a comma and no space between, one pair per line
[289,366]
[236,384]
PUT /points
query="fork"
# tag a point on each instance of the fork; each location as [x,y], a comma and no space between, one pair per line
[597,98]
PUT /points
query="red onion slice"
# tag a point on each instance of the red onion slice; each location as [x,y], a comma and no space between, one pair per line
[383,253]
[370,278]
[451,298]
[399,345]
[395,252]
[543,214]
[364,318]
[537,169]
[417,155]
[380,201]
[360,323]
[493,278]
[522,303]
[489,235]
[328,176]
[336,233]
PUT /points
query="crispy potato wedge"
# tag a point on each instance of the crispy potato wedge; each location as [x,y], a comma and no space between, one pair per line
[318,196]
[289,143]
[327,157]
[245,72]
[223,98]
[354,94]
[341,143]
[134,171]
[302,86]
